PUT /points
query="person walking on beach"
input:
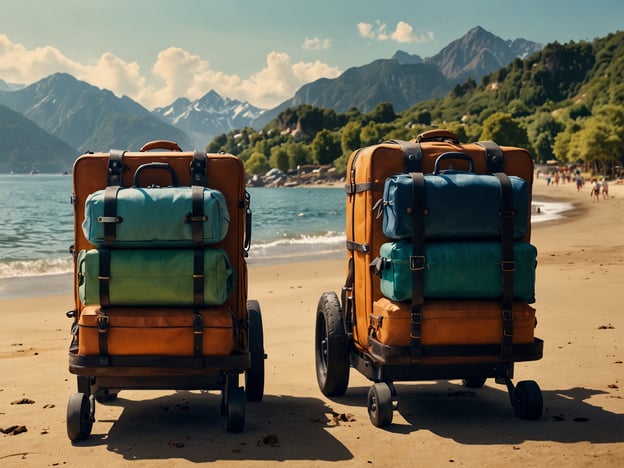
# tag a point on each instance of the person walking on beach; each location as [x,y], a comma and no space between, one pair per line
[579,182]
[595,191]
[605,189]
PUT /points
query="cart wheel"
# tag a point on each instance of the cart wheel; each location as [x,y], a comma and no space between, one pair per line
[380,404]
[254,376]
[79,420]
[332,347]
[527,400]
[235,410]
[474,382]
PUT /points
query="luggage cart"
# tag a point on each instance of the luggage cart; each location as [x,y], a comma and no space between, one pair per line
[100,375]
[343,329]
[336,353]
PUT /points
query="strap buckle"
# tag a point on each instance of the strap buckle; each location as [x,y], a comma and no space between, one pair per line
[417,262]
[109,219]
[508,266]
[103,324]
[198,324]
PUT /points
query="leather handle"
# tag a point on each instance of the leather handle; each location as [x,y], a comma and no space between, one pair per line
[159,166]
[438,135]
[453,155]
[160,144]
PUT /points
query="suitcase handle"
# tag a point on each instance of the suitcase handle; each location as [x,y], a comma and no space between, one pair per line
[160,144]
[438,135]
[452,155]
[155,165]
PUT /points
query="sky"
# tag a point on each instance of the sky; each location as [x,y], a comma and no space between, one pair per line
[156,51]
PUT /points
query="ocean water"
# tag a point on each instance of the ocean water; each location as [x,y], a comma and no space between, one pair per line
[287,224]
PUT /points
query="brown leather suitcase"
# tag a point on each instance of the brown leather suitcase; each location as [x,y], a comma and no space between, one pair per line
[367,170]
[137,331]
[450,322]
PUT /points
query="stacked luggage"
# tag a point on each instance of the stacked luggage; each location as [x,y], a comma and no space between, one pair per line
[160,245]
[441,271]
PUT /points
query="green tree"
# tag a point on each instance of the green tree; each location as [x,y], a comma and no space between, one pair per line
[279,158]
[325,147]
[257,164]
[298,154]
[382,113]
[542,131]
[505,130]
[350,137]
[370,134]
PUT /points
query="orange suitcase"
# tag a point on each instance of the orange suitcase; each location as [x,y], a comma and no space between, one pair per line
[153,331]
[450,322]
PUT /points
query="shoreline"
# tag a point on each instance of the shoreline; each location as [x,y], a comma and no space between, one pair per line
[579,300]
[53,283]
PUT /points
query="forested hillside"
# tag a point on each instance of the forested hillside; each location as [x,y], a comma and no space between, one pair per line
[26,147]
[564,102]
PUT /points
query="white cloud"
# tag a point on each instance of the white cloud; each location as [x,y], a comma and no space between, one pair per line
[316,43]
[403,33]
[175,73]
[366,30]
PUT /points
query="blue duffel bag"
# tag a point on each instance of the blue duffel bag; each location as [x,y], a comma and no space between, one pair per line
[458,204]
[147,217]
[456,270]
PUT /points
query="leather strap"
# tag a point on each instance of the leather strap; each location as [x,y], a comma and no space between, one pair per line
[115,167]
[110,218]
[104,276]
[113,184]
[198,168]
[103,323]
[508,264]
[412,155]
[417,263]
[198,336]
[198,276]
[347,298]
[357,246]
[494,156]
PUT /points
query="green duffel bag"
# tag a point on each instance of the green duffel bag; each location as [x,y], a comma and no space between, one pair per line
[456,270]
[147,277]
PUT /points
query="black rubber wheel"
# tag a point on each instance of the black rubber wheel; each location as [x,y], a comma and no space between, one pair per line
[380,404]
[331,347]
[79,421]
[254,376]
[474,382]
[235,410]
[527,400]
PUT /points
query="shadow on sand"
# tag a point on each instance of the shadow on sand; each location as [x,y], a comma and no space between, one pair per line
[485,415]
[188,425]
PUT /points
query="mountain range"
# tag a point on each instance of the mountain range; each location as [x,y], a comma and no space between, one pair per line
[86,118]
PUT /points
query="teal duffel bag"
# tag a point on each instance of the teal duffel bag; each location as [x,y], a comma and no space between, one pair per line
[144,277]
[456,270]
[154,217]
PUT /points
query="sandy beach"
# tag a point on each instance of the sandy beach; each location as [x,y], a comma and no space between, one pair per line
[580,296]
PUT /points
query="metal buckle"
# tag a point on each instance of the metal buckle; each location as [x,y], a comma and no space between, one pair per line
[109,219]
[417,262]
[198,324]
[508,266]
[103,323]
